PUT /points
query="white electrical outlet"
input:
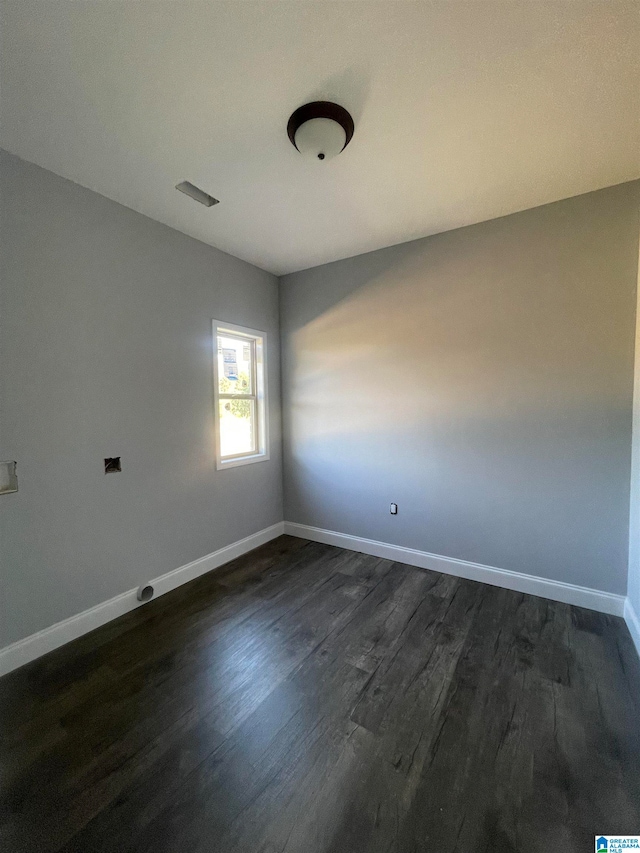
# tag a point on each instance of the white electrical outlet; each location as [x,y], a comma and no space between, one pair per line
[394,509]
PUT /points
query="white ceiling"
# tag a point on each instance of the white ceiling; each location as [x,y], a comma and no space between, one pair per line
[464,111]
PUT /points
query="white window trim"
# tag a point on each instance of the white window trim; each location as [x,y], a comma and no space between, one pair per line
[262,399]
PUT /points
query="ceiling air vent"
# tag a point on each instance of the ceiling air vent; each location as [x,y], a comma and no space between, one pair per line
[197,194]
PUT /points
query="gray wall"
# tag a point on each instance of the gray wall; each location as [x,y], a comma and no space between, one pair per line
[633,588]
[106,350]
[482,379]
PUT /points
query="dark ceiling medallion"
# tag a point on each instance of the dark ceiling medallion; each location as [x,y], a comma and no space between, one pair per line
[320,109]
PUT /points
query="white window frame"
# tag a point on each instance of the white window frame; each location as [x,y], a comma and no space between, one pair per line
[259,340]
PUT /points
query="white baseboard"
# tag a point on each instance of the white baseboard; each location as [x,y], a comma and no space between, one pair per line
[594,599]
[47,640]
[633,623]
[57,635]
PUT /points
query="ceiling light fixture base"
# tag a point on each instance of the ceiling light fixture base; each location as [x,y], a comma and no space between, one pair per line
[320,129]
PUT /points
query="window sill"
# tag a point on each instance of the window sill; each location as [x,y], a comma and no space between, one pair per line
[221,464]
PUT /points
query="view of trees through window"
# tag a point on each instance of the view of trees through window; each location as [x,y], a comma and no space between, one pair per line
[239,408]
[237,397]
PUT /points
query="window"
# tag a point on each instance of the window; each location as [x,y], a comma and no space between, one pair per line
[240,395]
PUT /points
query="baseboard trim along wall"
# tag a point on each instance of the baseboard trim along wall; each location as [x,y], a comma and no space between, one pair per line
[36,645]
[594,599]
[57,635]
[633,624]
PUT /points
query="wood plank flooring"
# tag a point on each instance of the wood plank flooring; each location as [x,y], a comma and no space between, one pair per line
[306,699]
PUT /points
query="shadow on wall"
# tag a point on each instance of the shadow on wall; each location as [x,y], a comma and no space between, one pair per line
[481,379]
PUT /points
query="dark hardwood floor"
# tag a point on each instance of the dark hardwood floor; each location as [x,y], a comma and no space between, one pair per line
[306,699]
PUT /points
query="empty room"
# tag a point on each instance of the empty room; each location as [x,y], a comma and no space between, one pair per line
[319,426]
